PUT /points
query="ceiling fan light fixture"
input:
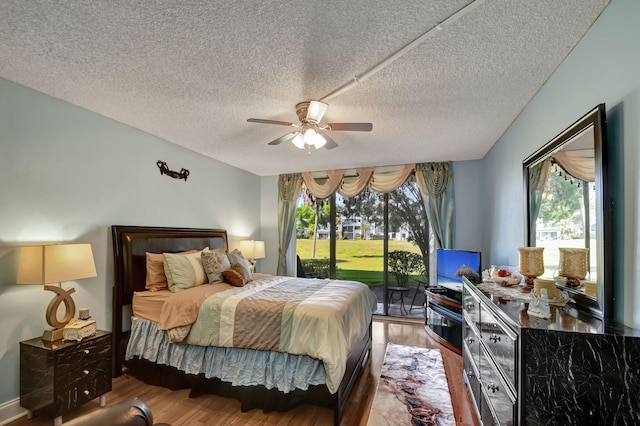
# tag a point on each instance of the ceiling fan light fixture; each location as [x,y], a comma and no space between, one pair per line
[316,110]
[319,141]
[299,141]
[310,136]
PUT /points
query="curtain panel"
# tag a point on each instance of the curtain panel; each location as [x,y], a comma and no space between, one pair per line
[538,176]
[435,181]
[288,190]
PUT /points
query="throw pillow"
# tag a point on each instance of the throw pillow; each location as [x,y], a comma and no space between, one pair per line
[214,263]
[184,271]
[235,256]
[237,275]
[156,279]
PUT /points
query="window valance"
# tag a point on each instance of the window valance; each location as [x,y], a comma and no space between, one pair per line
[578,163]
[381,179]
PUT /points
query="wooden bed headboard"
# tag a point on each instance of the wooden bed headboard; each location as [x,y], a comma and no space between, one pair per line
[130,245]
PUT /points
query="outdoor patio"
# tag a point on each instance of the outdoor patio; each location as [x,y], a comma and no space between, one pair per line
[395,308]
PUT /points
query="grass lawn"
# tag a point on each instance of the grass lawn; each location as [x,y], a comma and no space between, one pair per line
[357,260]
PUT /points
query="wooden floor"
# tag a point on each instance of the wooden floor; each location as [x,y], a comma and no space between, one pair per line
[177,409]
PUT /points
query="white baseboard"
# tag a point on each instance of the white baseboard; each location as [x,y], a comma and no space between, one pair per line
[10,411]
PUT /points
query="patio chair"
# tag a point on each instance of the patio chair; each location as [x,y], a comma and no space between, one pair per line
[301,273]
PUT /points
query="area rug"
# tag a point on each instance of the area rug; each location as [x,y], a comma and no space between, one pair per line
[412,390]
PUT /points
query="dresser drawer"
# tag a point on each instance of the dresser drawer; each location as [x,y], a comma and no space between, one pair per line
[75,359]
[501,342]
[81,391]
[471,341]
[471,306]
[472,374]
[498,399]
[99,370]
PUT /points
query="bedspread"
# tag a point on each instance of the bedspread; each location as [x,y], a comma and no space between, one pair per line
[317,318]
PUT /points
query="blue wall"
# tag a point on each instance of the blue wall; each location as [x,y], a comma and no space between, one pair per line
[603,68]
[66,175]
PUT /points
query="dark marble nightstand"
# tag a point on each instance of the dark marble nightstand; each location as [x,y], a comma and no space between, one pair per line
[56,377]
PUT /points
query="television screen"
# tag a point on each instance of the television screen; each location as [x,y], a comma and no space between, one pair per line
[452,265]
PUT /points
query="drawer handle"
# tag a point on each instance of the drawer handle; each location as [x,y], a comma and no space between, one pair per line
[85,372]
[470,306]
[86,392]
[493,387]
[470,340]
[470,374]
[86,351]
[494,338]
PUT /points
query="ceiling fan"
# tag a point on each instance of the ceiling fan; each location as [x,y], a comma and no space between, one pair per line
[309,131]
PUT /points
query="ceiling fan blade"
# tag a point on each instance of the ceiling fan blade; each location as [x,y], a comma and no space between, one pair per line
[280,123]
[354,127]
[284,138]
[316,111]
[330,142]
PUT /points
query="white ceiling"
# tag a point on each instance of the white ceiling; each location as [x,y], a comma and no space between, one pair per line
[192,72]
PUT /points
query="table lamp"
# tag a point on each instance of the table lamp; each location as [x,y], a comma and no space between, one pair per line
[252,250]
[54,264]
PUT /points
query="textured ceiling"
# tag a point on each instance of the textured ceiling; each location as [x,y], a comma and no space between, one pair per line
[192,72]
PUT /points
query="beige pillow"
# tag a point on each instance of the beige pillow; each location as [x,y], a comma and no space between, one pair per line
[237,275]
[184,271]
[214,263]
[156,278]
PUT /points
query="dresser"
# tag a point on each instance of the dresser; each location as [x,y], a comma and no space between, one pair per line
[571,369]
[56,377]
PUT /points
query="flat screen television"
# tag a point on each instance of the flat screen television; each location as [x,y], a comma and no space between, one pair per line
[452,265]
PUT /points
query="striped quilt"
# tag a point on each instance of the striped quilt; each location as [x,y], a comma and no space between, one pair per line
[317,318]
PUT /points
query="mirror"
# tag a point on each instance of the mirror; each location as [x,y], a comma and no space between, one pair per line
[568,206]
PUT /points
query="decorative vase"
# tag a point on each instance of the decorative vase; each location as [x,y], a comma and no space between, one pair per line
[572,265]
[531,264]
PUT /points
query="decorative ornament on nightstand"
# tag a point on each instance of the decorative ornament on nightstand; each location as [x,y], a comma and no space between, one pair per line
[531,264]
[54,264]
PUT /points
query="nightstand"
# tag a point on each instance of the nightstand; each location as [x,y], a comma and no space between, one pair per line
[56,377]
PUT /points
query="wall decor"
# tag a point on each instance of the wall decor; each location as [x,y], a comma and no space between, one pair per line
[164,170]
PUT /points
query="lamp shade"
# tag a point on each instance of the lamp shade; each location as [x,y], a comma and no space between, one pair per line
[55,263]
[252,249]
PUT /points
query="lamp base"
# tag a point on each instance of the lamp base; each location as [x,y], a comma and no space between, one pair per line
[528,281]
[53,334]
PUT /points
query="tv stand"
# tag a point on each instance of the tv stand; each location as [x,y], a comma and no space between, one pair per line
[444,315]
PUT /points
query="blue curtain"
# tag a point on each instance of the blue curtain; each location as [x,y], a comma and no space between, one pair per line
[436,184]
[288,191]
[538,175]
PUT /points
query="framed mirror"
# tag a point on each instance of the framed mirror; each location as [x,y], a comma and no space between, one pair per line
[568,207]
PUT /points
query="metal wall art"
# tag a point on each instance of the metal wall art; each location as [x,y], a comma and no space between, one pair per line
[164,170]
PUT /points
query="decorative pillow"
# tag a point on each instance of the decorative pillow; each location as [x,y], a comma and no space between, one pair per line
[156,278]
[184,271]
[237,275]
[214,263]
[235,256]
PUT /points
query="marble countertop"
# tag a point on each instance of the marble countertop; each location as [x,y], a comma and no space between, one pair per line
[563,318]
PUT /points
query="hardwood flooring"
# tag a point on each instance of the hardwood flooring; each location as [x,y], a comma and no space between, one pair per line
[177,409]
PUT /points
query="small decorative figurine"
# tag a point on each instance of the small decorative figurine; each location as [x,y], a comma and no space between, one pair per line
[539,305]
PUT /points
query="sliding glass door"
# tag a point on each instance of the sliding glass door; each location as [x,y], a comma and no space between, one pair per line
[379,239]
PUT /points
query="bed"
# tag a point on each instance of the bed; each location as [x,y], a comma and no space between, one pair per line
[283,376]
